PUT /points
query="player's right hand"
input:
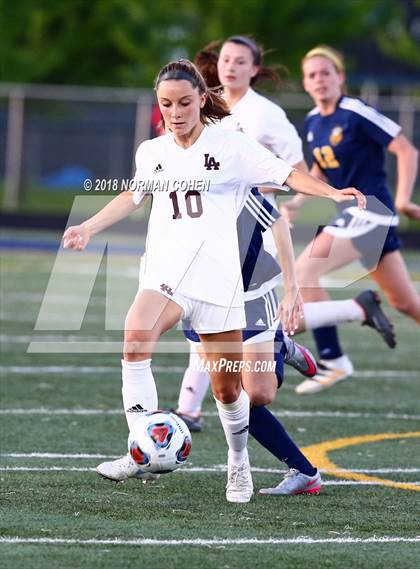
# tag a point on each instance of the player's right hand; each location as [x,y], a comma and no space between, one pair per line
[76,237]
[347,194]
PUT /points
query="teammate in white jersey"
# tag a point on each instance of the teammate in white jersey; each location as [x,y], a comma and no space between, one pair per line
[192,259]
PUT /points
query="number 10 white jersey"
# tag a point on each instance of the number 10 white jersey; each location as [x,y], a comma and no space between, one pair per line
[198,193]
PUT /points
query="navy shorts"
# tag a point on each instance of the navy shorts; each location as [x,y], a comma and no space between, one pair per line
[372,231]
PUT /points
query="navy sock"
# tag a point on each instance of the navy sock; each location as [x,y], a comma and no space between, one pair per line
[327,342]
[271,434]
[279,342]
[279,351]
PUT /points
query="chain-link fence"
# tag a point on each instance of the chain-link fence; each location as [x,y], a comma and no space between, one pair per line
[52,138]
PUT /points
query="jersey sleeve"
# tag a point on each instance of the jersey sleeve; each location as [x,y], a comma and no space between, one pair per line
[375,125]
[259,166]
[261,210]
[283,139]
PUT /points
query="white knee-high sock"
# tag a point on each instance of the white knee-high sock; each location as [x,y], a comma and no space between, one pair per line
[194,385]
[331,312]
[138,389]
[235,422]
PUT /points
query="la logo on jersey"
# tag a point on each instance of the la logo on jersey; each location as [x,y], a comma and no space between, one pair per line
[210,162]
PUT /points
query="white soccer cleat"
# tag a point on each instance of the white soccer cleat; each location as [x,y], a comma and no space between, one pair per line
[239,487]
[328,374]
[123,468]
[295,483]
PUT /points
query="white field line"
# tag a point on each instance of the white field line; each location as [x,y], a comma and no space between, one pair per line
[192,470]
[35,298]
[26,339]
[133,273]
[284,413]
[63,337]
[73,342]
[30,370]
[163,347]
[30,319]
[215,468]
[80,269]
[361,374]
[303,540]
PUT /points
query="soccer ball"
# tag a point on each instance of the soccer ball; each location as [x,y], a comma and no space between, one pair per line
[159,442]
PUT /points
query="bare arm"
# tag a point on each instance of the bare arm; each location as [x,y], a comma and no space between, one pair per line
[77,236]
[299,166]
[311,186]
[291,307]
[290,208]
[407,165]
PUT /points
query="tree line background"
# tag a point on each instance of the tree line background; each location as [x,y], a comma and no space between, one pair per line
[124,42]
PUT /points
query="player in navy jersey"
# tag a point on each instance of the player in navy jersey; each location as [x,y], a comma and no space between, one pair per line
[263,342]
[347,139]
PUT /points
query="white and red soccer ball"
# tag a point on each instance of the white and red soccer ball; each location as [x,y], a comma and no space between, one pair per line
[159,442]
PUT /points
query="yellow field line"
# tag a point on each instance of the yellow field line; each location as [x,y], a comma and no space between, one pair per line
[317,454]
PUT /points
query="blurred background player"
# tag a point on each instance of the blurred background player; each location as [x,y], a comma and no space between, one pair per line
[347,139]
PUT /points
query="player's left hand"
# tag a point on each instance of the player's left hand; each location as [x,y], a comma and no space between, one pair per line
[410,209]
[348,194]
[290,311]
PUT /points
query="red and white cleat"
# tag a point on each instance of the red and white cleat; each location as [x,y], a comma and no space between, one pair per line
[299,357]
[295,483]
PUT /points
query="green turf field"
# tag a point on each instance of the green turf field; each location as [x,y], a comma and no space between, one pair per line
[61,415]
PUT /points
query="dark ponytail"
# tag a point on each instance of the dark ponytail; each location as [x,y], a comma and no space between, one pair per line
[206,61]
[214,108]
[207,58]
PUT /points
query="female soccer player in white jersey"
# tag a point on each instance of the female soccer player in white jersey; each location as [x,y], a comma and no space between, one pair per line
[192,264]
[347,139]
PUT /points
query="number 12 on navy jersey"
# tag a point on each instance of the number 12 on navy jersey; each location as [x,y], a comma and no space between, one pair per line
[325,157]
[193,203]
